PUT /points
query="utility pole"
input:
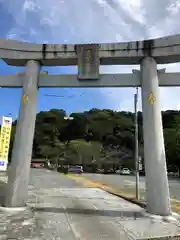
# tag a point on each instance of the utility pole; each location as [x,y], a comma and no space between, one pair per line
[136,147]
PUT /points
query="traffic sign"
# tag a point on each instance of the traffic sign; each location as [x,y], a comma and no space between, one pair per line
[2,163]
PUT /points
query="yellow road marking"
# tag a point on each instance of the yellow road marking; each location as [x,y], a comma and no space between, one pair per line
[175,204]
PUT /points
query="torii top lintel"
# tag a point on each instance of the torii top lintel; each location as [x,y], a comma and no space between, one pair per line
[164,50]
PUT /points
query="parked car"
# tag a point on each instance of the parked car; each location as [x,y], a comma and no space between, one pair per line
[125,171]
[108,171]
[37,165]
[75,169]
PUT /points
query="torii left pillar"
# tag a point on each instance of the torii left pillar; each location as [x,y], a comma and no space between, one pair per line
[18,173]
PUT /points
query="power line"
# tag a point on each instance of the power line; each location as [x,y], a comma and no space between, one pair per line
[66,96]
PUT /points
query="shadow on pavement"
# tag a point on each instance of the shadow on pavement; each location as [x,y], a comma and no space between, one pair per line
[2,192]
[91,212]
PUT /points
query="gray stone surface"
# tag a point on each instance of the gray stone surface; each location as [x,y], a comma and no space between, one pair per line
[120,181]
[71,81]
[164,50]
[18,171]
[158,197]
[59,208]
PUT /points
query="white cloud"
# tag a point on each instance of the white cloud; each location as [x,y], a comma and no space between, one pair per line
[174,8]
[72,21]
[29,6]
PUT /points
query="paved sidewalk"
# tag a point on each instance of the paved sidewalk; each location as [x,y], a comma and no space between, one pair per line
[60,208]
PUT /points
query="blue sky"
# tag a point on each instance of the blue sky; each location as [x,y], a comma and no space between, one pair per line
[84,21]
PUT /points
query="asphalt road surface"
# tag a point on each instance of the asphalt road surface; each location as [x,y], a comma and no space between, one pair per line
[71,211]
[62,208]
[118,181]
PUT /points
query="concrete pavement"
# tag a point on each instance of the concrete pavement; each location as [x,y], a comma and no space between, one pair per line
[116,180]
[61,208]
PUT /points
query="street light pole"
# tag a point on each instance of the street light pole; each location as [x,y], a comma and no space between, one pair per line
[136,152]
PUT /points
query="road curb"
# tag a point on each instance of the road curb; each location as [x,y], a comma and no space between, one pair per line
[141,204]
[175,216]
[134,201]
[117,192]
[85,181]
[106,188]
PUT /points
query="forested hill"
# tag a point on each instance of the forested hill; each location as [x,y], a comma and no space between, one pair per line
[97,135]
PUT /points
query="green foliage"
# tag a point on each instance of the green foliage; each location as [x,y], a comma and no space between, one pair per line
[97,137]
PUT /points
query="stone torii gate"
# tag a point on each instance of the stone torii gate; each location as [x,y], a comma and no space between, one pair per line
[88,58]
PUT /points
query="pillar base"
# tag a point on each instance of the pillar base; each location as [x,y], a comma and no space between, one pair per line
[13,209]
[173,217]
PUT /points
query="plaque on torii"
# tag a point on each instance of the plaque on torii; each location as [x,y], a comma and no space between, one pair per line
[88,61]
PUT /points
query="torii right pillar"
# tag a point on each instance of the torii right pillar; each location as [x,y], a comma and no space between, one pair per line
[157,187]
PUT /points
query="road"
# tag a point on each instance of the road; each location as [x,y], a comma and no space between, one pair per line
[119,181]
[62,208]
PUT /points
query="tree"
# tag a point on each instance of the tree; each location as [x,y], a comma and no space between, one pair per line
[46,151]
[83,150]
[97,137]
[172,146]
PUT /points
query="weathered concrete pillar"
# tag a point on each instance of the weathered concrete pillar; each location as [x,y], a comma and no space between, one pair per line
[158,200]
[18,175]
